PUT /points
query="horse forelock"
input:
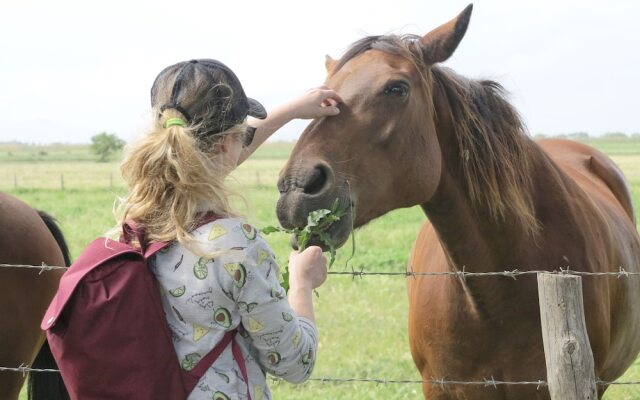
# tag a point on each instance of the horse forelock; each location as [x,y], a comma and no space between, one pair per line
[493,150]
[400,45]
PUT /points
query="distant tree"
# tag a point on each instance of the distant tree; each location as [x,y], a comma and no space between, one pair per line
[579,135]
[615,135]
[105,144]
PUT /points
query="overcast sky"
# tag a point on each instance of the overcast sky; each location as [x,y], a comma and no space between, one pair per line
[71,69]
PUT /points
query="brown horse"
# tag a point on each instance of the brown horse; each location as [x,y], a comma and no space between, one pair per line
[411,132]
[27,237]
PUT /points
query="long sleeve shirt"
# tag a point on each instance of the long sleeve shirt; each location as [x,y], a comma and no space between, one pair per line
[231,282]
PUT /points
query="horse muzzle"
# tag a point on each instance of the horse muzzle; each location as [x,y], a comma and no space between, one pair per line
[312,186]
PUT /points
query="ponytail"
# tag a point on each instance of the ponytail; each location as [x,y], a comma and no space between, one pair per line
[172,176]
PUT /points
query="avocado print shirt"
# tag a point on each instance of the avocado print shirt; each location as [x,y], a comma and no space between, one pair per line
[204,297]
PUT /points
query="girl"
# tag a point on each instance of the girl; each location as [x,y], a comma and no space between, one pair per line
[219,275]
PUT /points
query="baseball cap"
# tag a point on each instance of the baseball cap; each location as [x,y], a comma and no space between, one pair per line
[207,93]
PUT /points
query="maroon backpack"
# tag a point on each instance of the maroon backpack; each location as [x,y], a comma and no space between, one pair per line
[108,332]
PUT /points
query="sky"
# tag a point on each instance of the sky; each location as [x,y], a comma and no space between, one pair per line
[73,69]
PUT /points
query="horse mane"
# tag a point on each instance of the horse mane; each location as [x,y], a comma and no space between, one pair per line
[495,153]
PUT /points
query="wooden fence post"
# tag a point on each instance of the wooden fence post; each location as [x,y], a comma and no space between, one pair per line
[570,366]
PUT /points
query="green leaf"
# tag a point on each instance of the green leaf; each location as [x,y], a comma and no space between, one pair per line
[318,221]
[334,206]
[303,239]
[285,278]
[316,216]
[326,239]
[272,229]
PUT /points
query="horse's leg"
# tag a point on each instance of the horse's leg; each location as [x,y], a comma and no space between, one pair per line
[10,384]
[20,313]
[48,385]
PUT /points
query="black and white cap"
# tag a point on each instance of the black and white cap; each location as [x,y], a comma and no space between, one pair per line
[207,93]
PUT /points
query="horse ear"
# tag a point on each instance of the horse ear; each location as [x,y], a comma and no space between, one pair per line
[439,44]
[329,63]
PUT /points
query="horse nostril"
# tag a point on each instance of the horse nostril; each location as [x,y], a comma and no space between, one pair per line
[315,180]
[281,186]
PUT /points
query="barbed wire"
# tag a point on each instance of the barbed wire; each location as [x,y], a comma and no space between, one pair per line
[25,368]
[507,273]
[487,382]
[463,274]
[440,382]
[44,267]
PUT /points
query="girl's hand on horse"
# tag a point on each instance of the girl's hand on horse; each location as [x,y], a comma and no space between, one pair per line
[307,269]
[315,103]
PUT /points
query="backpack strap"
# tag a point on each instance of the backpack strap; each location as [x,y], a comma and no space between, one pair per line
[131,229]
[207,361]
[205,218]
[237,354]
[192,377]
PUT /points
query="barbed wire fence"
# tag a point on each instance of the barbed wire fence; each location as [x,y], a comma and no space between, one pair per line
[361,273]
[514,273]
[489,382]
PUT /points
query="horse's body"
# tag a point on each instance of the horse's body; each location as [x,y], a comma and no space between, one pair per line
[410,132]
[490,327]
[25,239]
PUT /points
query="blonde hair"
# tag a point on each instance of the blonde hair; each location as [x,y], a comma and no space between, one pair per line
[172,176]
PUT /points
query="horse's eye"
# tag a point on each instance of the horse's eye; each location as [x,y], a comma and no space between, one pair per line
[399,89]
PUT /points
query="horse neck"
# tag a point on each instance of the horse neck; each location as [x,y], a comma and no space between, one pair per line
[473,237]
[474,241]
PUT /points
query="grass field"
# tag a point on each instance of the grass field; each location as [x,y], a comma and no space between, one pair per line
[362,322]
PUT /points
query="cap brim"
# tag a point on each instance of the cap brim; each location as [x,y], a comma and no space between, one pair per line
[256,110]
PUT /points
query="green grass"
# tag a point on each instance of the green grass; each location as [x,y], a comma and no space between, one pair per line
[362,322]
[275,150]
[615,147]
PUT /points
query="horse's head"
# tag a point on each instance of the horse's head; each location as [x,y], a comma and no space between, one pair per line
[381,152]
